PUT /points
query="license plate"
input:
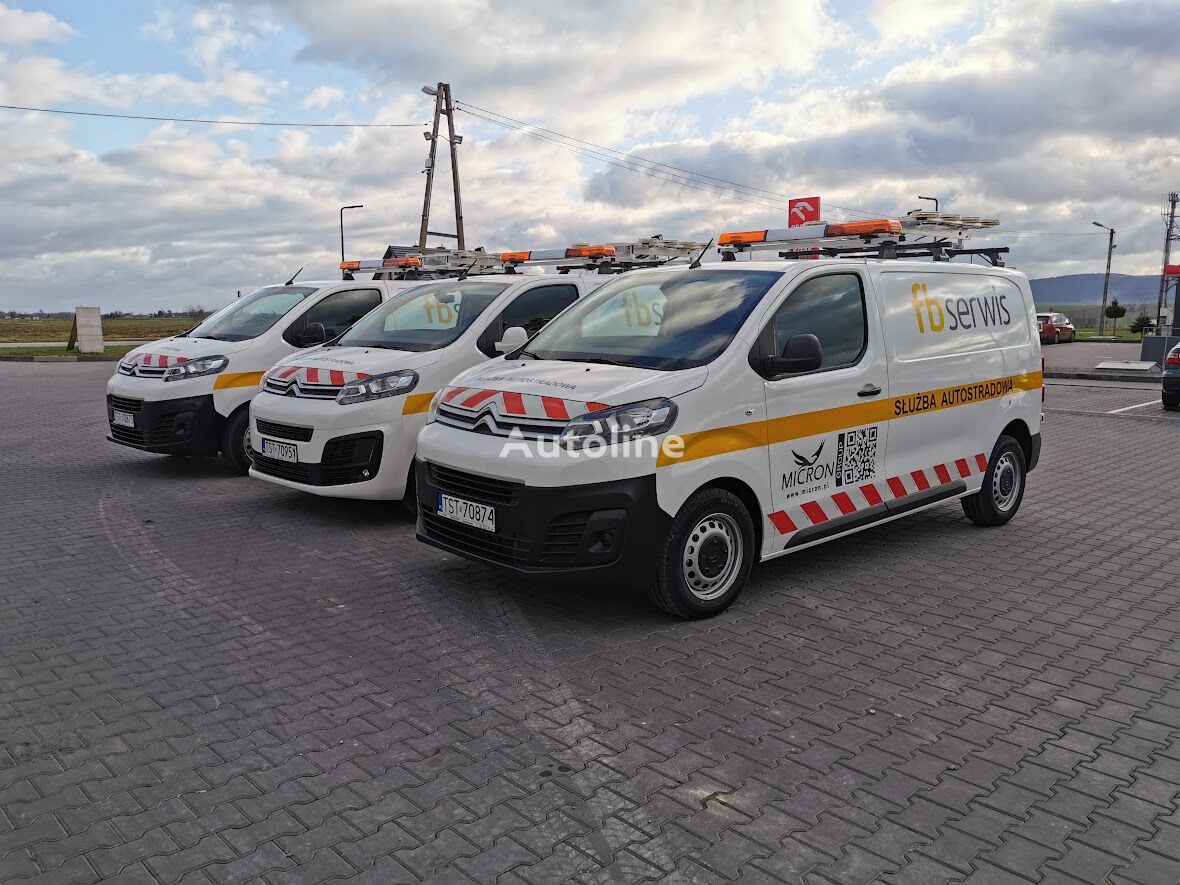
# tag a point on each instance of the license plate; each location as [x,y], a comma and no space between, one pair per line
[482,516]
[122,419]
[280,451]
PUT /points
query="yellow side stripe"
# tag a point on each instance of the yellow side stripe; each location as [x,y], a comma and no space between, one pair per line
[416,403]
[237,379]
[737,437]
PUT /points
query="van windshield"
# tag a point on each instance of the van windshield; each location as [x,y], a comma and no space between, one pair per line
[426,317]
[667,321]
[251,315]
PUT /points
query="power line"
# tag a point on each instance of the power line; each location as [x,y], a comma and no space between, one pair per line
[713,189]
[523,127]
[14,107]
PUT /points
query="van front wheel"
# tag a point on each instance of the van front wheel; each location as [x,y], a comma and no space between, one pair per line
[235,441]
[706,557]
[1003,486]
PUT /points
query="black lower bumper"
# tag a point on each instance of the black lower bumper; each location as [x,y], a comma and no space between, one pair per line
[585,529]
[187,426]
[346,459]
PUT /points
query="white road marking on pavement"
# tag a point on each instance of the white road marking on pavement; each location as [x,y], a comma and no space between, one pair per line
[1153,402]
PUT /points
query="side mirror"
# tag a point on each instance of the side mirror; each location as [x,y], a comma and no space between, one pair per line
[802,354]
[313,334]
[515,337]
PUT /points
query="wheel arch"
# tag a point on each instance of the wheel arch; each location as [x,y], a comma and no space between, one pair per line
[748,497]
[1018,430]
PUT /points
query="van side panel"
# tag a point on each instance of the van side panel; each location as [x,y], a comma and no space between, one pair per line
[963,363]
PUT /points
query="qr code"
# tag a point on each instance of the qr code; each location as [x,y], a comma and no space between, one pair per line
[856,456]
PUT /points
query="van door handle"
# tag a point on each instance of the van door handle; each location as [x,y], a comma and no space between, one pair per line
[869,390]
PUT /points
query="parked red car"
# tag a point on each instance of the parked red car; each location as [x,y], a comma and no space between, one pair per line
[1055,328]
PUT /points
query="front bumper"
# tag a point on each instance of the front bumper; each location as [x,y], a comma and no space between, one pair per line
[184,426]
[593,529]
[346,460]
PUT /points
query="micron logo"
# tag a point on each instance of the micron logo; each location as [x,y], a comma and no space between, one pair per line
[922,301]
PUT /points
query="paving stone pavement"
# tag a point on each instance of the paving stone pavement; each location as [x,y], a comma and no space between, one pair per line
[207,679]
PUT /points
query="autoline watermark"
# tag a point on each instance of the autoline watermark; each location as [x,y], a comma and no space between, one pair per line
[620,445]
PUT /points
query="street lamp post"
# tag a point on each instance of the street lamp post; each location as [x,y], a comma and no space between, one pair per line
[1106,281]
[344,275]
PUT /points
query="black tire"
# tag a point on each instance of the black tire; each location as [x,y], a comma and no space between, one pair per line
[1171,401]
[728,528]
[999,498]
[234,448]
[410,499]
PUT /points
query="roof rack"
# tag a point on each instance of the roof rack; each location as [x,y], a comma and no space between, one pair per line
[940,236]
[410,263]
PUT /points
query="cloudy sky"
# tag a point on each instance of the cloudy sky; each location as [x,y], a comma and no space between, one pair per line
[1048,115]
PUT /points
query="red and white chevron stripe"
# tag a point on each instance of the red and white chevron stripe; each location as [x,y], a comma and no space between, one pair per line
[313,375]
[871,494]
[155,360]
[519,405]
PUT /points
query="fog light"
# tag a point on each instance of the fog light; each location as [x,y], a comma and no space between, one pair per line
[601,542]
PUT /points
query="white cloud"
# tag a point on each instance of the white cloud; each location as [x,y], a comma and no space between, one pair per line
[322,97]
[901,23]
[20,28]
[1049,116]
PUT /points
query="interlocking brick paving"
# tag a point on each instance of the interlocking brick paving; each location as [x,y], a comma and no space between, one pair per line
[205,678]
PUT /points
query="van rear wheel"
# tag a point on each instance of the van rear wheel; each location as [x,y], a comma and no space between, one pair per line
[1003,486]
[707,556]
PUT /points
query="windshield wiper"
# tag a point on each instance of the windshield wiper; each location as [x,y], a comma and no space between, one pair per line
[213,337]
[529,353]
[606,361]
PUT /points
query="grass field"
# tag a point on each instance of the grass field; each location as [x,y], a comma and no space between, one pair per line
[23,353]
[1123,334]
[112,330]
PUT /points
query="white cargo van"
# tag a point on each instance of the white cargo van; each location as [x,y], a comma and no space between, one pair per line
[188,395]
[679,425]
[343,420]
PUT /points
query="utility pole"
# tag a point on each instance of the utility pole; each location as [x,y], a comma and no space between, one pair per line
[1106,281]
[1169,235]
[443,106]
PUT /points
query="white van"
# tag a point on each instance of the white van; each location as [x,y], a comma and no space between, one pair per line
[342,420]
[680,424]
[188,395]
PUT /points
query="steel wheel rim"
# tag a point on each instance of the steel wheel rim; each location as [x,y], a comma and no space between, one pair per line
[712,556]
[246,446]
[1006,482]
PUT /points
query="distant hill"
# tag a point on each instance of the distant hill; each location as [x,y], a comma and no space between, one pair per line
[1086,288]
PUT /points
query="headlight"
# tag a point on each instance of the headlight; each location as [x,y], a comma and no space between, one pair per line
[620,423]
[432,411]
[206,365]
[378,387]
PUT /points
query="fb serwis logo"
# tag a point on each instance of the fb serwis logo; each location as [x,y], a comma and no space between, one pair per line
[957,313]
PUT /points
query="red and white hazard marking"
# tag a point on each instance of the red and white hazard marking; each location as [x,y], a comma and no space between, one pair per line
[155,360]
[871,494]
[311,375]
[519,405]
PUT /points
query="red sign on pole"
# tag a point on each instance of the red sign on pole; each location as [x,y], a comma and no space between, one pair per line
[802,210]
[1172,270]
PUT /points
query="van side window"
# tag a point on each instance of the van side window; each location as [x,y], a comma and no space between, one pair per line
[832,308]
[337,313]
[531,310]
